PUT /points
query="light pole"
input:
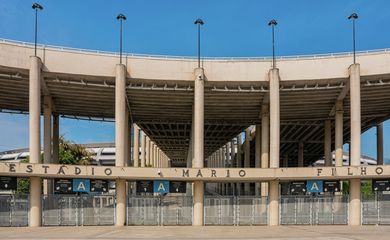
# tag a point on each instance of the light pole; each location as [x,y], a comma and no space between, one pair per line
[121,18]
[199,22]
[36,7]
[273,23]
[353,17]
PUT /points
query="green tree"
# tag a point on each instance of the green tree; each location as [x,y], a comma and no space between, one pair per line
[73,154]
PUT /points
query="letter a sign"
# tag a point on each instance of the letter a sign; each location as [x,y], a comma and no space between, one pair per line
[315,186]
[161,186]
[81,185]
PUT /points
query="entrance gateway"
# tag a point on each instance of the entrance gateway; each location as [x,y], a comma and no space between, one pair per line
[144,207]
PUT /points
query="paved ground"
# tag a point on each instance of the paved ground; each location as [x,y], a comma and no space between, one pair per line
[284,232]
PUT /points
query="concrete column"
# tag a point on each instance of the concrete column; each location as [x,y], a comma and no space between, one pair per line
[143,145]
[155,156]
[223,192]
[300,154]
[239,160]
[35,138]
[273,203]
[136,146]
[339,134]
[198,144]
[327,143]
[379,144]
[274,109]
[258,156]
[121,147]
[147,152]
[234,164]
[264,144]
[247,158]
[127,141]
[56,139]
[151,150]
[120,115]
[47,141]
[354,204]
[120,217]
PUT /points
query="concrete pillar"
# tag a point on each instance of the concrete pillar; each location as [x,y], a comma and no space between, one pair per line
[35,138]
[121,148]
[198,144]
[354,204]
[339,134]
[151,150]
[258,156]
[264,144]
[274,109]
[120,217]
[300,154]
[327,143]
[143,145]
[126,132]
[228,165]
[247,158]
[239,160]
[273,203]
[233,162]
[147,152]
[155,156]
[56,139]
[136,146]
[379,144]
[47,141]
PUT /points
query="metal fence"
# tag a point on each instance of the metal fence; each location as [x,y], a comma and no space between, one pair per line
[78,210]
[14,210]
[235,210]
[376,209]
[159,210]
[314,210]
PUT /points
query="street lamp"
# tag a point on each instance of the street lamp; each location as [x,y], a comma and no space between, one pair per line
[353,17]
[273,23]
[121,18]
[199,22]
[36,7]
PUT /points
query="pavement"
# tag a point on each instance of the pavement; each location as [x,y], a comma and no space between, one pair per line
[207,232]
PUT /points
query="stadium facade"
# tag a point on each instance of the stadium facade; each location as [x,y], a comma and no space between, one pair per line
[194,116]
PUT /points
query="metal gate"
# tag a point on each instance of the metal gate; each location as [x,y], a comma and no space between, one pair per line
[159,210]
[376,209]
[314,210]
[75,210]
[235,210]
[14,210]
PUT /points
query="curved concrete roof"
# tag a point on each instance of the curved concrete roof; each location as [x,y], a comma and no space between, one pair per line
[160,92]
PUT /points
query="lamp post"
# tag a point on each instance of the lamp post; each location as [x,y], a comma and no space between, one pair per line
[121,18]
[36,7]
[273,23]
[199,22]
[353,17]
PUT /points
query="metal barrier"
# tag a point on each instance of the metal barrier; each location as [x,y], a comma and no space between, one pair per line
[314,210]
[14,210]
[235,210]
[159,210]
[78,210]
[376,209]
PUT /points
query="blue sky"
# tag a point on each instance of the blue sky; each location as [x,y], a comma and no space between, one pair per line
[232,28]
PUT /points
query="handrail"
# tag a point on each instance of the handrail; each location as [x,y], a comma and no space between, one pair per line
[267,58]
